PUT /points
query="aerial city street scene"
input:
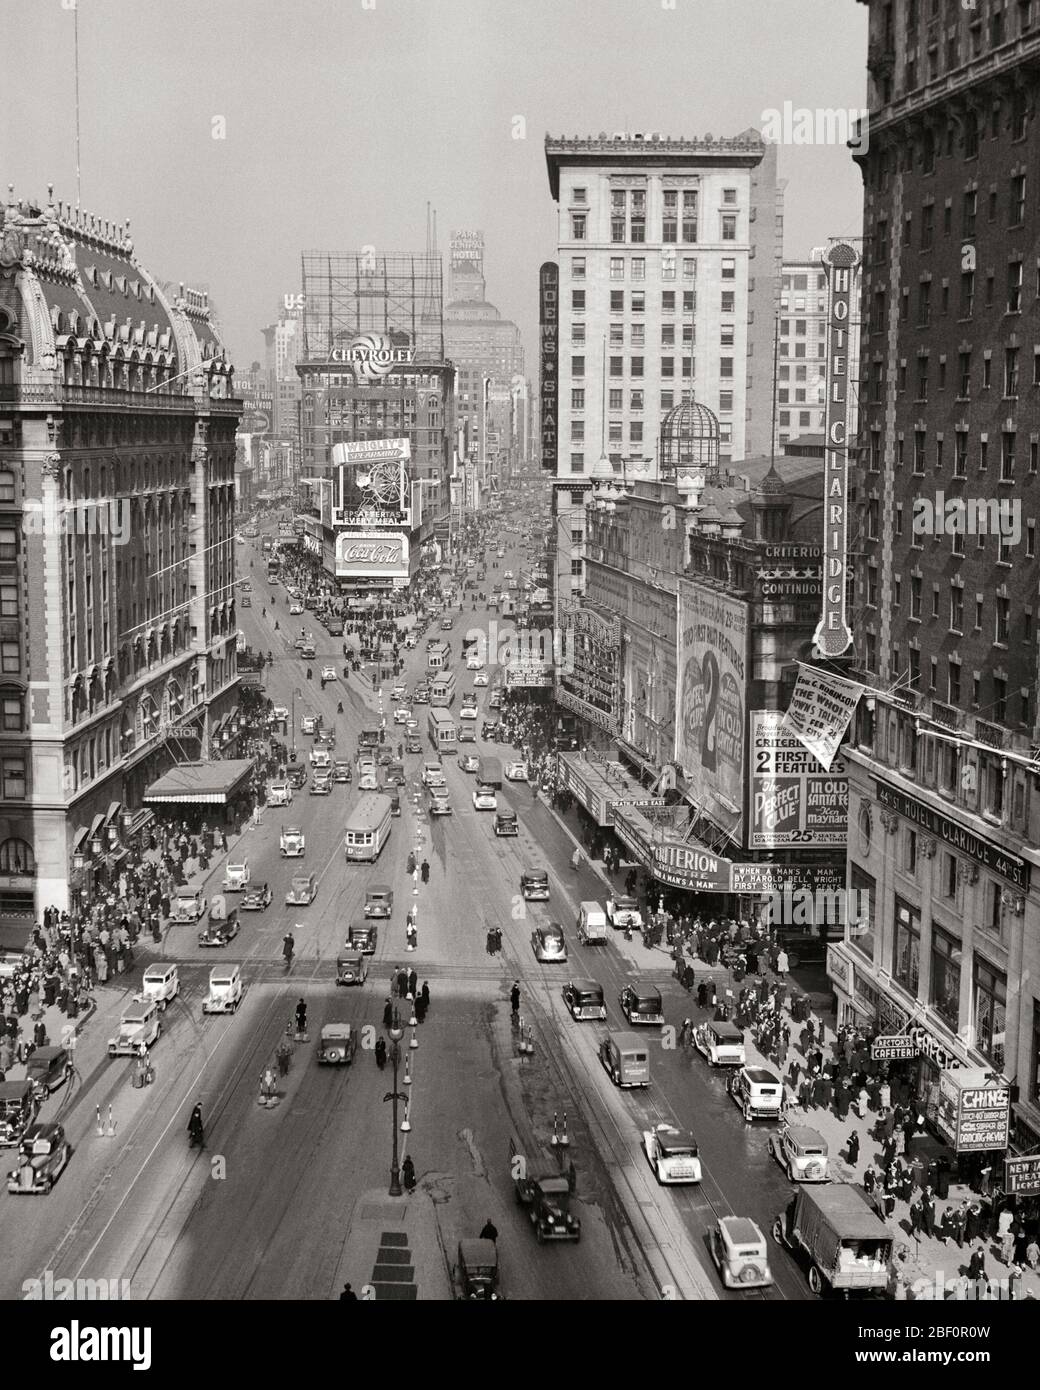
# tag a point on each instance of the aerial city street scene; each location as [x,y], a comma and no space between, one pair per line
[519,601]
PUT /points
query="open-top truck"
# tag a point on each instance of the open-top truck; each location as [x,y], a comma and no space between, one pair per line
[840,1238]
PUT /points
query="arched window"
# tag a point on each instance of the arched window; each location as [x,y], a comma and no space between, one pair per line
[16,857]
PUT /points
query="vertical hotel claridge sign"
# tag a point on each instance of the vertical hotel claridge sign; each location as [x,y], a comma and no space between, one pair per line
[944,798]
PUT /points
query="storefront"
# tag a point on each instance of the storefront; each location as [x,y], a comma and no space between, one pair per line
[601,785]
[205,784]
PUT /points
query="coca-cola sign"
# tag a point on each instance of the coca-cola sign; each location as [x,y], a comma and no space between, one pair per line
[374,554]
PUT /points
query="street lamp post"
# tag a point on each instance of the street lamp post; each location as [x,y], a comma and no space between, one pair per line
[396,1034]
[292,731]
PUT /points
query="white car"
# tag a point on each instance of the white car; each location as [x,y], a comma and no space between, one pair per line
[295,608]
[278,793]
[484,799]
[516,772]
[474,662]
[139,1025]
[432,774]
[319,757]
[328,673]
[402,714]
[280,712]
[673,1154]
[399,692]
[481,678]
[292,844]
[468,712]
[439,803]
[507,574]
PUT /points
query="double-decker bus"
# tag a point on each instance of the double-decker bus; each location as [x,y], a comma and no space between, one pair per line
[441,729]
[368,828]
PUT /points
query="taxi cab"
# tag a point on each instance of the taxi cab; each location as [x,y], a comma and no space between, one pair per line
[641,1004]
[721,1043]
[741,1256]
[548,942]
[802,1151]
[673,1154]
[758,1092]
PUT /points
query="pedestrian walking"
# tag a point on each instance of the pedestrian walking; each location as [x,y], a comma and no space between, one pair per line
[388,1014]
[853,1148]
[514,999]
[424,871]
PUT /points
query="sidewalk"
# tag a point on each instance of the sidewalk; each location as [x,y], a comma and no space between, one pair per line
[393,1249]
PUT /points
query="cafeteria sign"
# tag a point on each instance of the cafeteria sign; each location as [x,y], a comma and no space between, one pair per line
[893,1049]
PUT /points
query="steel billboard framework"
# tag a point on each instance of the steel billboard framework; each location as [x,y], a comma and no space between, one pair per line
[346,296]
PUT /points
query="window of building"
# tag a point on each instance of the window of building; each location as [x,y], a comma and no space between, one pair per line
[577,335]
[689,215]
[579,195]
[689,271]
[990,1005]
[635,432]
[578,431]
[617,366]
[577,267]
[578,225]
[946,976]
[8,543]
[725,401]
[670,216]
[577,366]
[638,267]
[614,434]
[906,956]
[726,368]
[635,366]
[617,301]
[1017,200]
[577,301]
[729,227]
[577,463]
[615,398]
[638,302]
[1014,282]
[6,486]
[617,267]
[729,269]
[10,658]
[578,399]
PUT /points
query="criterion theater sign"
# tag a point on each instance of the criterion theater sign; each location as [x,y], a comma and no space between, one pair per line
[372,356]
[833,636]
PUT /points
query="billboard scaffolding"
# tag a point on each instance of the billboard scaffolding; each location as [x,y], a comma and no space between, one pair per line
[399,297]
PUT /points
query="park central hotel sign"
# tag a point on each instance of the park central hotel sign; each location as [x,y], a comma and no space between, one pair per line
[833,636]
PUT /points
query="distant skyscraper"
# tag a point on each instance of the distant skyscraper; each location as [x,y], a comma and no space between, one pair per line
[480,342]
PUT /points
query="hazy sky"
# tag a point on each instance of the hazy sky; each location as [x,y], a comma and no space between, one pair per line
[344,117]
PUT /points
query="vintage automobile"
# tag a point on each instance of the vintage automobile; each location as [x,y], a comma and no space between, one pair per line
[225,990]
[476,1271]
[481,678]
[297,774]
[320,757]
[278,792]
[302,890]
[641,1004]
[591,924]
[188,906]
[421,694]
[337,1044]
[548,943]
[292,843]
[47,1069]
[328,673]
[368,776]
[321,782]
[42,1155]
[395,776]
[139,1025]
[758,1092]
[351,968]
[466,733]
[474,662]
[222,925]
[379,900]
[469,711]
[440,803]
[673,1154]
[534,885]
[257,899]
[236,876]
[310,723]
[839,1238]
[413,744]
[402,714]
[161,984]
[584,999]
[342,771]
[516,772]
[547,1199]
[363,937]
[626,1059]
[506,823]
[246,601]
[295,608]
[18,1109]
[400,693]
[721,1043]
[411,641]
[623,911]
[469,762]
[738,1248]
[280,714]
[325,738]
[384,756]
[484,798]
[801,1150]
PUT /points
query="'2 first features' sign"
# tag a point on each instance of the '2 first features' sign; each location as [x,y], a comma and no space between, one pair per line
[793,799]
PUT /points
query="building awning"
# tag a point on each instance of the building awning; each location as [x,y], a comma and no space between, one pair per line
[112,812]
[209,783]
[95,825]
[80,836]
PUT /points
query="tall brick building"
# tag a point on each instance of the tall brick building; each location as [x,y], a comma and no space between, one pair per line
[117,602]
[944,812]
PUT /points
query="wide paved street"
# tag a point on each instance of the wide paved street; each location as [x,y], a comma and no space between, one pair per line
[284,1202]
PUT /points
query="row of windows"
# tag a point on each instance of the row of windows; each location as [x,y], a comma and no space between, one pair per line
[637,302]
[636,367]
[1009,377]
[925,302]
[1008,454]
[637,268]
[998,708]
[998,518]
[1001,618]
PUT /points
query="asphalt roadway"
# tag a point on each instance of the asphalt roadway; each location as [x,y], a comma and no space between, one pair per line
[283,1201]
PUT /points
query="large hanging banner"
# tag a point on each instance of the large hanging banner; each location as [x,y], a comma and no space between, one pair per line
[833,636]
[792,799]
[711,698]
[820,710]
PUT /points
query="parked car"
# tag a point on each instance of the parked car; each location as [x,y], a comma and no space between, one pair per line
[337,1044]
[188,906]
[801,1150]
[47,1069]
[738,1248]
[18,1110]
[43,1155]
[623,911]
[257,899]
[139,1025]
[673,1154]
[302,891]
[516,772]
